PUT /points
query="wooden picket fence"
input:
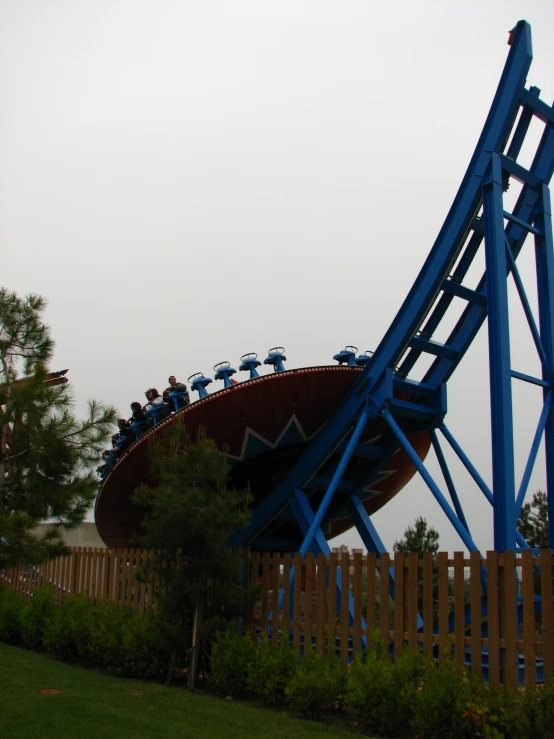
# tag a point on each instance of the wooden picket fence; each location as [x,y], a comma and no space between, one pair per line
[338,602]
[447,594]
[104,574]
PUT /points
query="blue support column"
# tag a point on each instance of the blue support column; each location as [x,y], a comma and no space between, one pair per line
[544,255]
[499,360]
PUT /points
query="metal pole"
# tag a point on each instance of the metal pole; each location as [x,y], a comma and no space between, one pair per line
[544,256]
[499,360]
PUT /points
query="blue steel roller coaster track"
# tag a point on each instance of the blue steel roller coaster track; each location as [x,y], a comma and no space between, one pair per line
[477,217]
[382,413]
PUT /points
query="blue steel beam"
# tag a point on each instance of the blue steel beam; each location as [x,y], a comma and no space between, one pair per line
[533,453]
[481,484]
[525,304]
[431,484]
[503,473]
[544,257]
[449,481]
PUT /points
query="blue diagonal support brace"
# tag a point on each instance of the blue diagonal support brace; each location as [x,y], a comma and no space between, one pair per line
[341,467]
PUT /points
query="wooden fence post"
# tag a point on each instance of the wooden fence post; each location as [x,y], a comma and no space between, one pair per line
[547,614]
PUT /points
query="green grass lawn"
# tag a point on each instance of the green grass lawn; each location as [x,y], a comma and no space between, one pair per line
[93,705]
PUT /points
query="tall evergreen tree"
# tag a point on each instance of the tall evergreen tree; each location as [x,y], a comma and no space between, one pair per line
[46,454]
[533,521]
[421,538]
[191,514]
[418,538]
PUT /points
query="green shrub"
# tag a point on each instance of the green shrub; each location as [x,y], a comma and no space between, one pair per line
[117,641]
[271,670]
[528,712]
[68,634]
[381,693]
[143,645]
[443,700]
[11,606]
[318,685]
[231,660]
[102,644]
[35,616]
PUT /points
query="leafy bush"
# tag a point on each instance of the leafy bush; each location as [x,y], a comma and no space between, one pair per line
[11,606]
[381,693]
[35,616]
[271,670]
[318,685]
[142,646]
[231,660]
[443,699]
[68,634]
[527,713]
[120,642]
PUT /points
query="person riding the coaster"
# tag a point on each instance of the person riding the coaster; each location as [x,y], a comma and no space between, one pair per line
[176,394]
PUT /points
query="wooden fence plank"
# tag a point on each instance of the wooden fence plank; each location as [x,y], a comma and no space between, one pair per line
[130,569]
[286,597]
[344,607]
[332,603]
[56,576]
[115,572]
[254,582]
[321,603]
[398,604]
[475,599]
[86,570]
[309,600]
[94,574]
[412,596]
[384,621]
[371,593]
[428,579]
[265,593]
[529,634]
[509,672]
[276,587]
[443,585]
[297,610]
[357,595]
[76,575]
[493,618]
[459,607]
[547,614]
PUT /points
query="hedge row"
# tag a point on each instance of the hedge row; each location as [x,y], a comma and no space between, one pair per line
[411,696]
[96,635]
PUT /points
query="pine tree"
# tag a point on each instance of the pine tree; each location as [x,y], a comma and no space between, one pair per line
[533,521]
[418,538]
[191,514]
[46,454]
[421,538]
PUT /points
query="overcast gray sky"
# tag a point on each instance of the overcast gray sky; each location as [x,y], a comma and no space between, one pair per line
[189,181]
